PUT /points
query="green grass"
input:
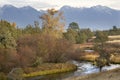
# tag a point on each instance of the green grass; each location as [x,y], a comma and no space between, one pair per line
[55,68]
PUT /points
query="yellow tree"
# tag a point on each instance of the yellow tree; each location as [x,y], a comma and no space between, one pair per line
[53,23]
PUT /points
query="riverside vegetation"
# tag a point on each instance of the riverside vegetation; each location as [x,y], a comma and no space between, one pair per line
[41,50]
[50,68]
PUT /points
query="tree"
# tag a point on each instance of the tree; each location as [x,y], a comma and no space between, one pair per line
[37,27]
[6,40]
[81,37]
[32,29]
[101,38]
[115,28]
[114,31]
[74,26]
[104,56]
[72,32]
[8,54]
[53,23]
[71,35]
[87,32]
[6,26]
[7,35]
[78,36]
[28,29]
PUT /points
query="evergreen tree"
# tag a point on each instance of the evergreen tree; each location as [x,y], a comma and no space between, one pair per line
[8,34]
[7,41]
[104,57]
[74,26]
[71,35]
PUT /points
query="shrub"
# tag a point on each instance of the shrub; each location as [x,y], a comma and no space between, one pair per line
[2,76]
[16,74]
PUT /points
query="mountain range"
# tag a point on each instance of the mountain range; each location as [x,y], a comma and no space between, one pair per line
[96,17]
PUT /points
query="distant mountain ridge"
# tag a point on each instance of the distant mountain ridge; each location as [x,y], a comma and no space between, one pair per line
[96,17]
[22,16]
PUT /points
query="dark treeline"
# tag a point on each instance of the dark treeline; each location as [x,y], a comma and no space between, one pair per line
[77,35]
[114,31]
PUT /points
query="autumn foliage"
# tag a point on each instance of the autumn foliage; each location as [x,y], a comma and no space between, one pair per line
[32,46]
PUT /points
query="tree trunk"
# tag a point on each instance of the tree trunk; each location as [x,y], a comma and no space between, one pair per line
[100,68]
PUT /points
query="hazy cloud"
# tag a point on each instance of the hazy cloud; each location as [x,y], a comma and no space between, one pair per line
[45,4]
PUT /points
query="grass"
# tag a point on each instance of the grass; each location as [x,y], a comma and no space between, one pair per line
[55,68]
[115,36]
[115,59]
[114,41]
[91,57]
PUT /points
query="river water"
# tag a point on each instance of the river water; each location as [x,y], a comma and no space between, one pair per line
[84,68]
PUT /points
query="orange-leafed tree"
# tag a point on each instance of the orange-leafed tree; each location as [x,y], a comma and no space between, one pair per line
[53,23]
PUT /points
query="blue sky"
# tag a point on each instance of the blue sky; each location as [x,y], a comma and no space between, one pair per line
[45,4]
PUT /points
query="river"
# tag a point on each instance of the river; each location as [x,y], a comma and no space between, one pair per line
[84,68]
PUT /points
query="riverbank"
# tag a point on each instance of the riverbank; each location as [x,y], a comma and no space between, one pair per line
[115,59]
[52,68]
[105,75]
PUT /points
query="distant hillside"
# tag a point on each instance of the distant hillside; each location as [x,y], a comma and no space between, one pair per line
[22,16]
[96,17]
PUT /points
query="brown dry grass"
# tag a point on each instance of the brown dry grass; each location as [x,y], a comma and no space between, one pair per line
[114,41]
[92,57]
[115,59]
[115,36]
[89,57]
[85,45]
